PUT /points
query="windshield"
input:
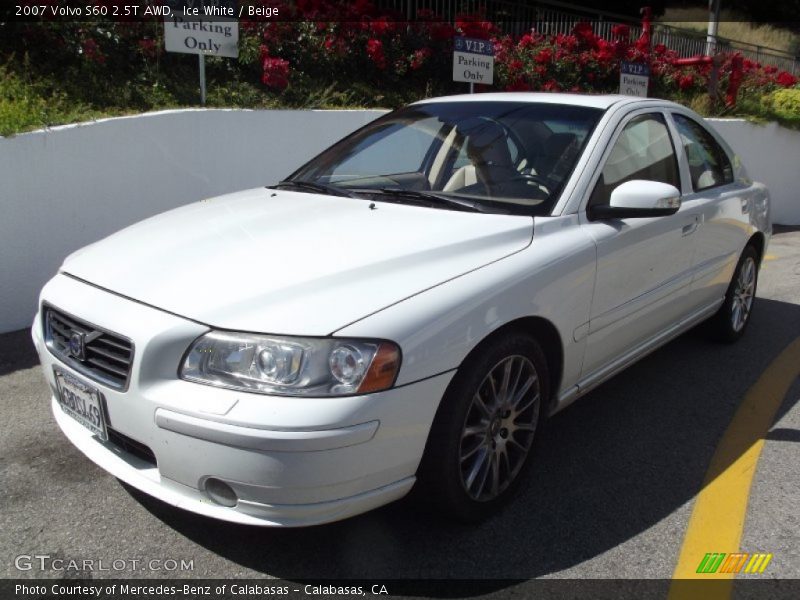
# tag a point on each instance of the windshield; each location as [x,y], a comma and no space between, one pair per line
[512,157]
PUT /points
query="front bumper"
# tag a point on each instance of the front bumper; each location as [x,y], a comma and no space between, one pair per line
[290,461]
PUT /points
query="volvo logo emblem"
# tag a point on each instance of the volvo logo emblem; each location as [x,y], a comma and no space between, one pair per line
[77,345]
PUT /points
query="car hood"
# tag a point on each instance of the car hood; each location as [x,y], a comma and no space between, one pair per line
[294,263]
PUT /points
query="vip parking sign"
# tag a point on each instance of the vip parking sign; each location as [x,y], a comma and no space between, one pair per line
[473,60]
[633,79]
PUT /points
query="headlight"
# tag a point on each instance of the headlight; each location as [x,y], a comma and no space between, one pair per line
[289,366]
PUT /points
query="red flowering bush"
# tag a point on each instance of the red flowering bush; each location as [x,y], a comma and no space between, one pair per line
[685,82]
[276,72]
[326,52]
[584,61]
[347,46]
[785,79]
[621,32]
[375,53]
[91,51]
[148,48]
[356,45]
[419,58]
[475,26]
[580,61]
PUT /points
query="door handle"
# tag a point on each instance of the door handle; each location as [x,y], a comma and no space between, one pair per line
[691,227]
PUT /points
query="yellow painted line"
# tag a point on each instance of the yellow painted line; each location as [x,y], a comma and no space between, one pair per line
[720,509]
[770,257]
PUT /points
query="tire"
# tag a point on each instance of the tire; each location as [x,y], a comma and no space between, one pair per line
[730,322]
[482,438]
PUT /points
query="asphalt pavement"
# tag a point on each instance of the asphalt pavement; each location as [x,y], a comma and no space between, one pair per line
[610,495]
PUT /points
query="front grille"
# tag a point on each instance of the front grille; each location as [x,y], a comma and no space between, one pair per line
[100,355]
[131,446]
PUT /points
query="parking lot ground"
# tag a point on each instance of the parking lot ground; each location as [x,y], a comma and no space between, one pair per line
[611,494]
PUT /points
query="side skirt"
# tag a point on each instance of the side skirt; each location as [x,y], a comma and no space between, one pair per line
[594,379]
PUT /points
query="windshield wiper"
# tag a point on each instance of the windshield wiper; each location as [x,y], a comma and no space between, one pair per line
[319,188]
[425,197]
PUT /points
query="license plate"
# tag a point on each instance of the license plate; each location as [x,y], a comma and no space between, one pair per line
[82,402]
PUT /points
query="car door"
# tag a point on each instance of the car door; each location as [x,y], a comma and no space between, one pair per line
[722,204]
[643,264]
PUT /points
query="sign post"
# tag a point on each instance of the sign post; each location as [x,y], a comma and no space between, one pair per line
[202,59]
[633,79]
[473,61]
[202,27]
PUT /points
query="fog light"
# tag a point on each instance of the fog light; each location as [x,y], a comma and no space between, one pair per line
[220,492]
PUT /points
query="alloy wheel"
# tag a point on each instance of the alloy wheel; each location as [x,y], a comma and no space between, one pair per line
[743,294]
[499,428]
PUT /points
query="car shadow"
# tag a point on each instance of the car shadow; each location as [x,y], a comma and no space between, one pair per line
[17,351]
[611,466]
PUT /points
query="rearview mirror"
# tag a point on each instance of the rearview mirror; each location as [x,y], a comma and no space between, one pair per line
[639,198]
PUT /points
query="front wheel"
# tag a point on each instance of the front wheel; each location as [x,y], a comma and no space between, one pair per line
[481,440]
[729,323]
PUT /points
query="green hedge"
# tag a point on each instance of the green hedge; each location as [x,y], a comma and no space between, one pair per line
[785,104]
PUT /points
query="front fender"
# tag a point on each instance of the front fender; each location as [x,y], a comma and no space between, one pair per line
[553,278]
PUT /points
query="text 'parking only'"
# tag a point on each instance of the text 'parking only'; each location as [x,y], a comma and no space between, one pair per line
[473,60]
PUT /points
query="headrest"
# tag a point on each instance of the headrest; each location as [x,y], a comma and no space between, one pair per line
[558,142]
[482,132]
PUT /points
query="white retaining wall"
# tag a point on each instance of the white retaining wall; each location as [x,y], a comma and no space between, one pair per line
[66,187]
[770,154]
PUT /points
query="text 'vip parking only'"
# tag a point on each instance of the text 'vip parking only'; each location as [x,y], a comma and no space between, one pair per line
[473,60]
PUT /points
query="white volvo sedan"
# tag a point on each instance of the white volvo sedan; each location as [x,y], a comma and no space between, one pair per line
[403,310]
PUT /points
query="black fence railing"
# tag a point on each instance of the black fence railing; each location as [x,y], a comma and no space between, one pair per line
[551,17]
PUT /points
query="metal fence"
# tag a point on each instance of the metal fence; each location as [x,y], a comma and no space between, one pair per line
[551,17]
[691,43]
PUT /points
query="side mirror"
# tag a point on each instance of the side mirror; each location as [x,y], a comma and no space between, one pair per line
[639,198]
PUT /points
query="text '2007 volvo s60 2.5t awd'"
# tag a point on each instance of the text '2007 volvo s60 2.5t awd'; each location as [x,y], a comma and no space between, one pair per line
[407,308]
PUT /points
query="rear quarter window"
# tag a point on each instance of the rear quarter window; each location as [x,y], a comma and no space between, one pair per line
[709,164]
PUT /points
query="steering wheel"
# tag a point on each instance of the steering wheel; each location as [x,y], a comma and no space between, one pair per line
[541,182]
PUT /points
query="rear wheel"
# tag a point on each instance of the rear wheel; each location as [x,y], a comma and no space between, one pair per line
[483,435]
[730,322]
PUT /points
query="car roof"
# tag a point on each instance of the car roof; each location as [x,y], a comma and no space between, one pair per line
[602,101]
